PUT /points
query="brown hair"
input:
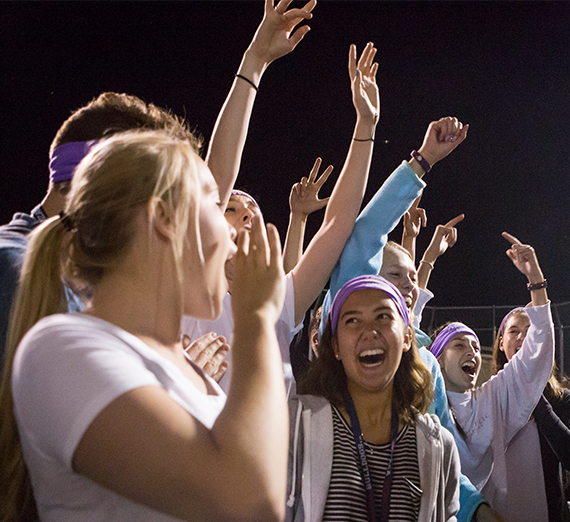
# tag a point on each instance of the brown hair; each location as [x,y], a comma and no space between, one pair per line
[413,384]
[553,389]
[119,177]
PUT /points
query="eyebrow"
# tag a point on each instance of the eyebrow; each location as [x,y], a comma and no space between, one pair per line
[357,312]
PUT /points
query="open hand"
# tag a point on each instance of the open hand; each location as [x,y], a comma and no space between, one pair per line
[365,94]
[441,138]
[259,280]
[304,197]
[208,353]
[274,37]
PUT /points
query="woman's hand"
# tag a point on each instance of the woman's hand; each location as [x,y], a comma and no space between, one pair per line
[444,237]
[208,353]
[259,280]
[274,37]
[524,258]
[414,219]
[441,138]
[365,94]
[304,197]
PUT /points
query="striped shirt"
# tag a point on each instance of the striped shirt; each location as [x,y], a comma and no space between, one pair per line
[346,498]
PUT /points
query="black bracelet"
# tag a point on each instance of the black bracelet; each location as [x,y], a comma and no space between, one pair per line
[421,160]
[536,286]
[367,139]
[248,81]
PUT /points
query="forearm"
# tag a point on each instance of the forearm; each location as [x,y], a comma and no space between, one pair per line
[426,266]
[230,131]
[346,199]
[293,249]
[409,243]
[253,427]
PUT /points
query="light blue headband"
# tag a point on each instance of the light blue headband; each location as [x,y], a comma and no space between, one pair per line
[365,282]
[448,333]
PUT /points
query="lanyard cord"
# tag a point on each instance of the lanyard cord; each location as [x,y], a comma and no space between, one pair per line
[364,469]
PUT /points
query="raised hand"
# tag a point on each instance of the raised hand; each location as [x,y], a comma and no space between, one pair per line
[524,258]
[441,138]
[208,353]
[444,237]
[304,197]
[259,280]
[365,94]
[274,37]
[414,219]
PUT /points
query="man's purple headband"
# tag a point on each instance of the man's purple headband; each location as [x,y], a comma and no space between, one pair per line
[236,192]
[366,282]
[66,157]
[448,333]
[507,316]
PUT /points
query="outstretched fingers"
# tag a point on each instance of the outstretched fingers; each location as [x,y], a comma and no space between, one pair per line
[511,239]
[455,220]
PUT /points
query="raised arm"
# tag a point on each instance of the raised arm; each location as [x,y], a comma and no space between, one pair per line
[314,268]
[303,200]
[164,458]
[273,39]
[363,251]
[444,237]
[414,220]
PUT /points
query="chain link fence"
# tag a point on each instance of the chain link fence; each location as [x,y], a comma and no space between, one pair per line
[485,320]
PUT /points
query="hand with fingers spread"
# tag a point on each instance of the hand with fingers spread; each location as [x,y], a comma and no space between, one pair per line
[259,284]
[304,197]
[442,137]
[208,353]
[276,35]
[365,93]
[444,237]
[303,200]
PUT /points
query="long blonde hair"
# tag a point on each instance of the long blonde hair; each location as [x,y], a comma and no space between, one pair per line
[119,177]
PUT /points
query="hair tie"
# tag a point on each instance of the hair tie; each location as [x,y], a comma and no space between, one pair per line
[66,221]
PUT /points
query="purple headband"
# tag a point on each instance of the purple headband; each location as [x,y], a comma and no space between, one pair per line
[236,192]
[507,316]
[448,333]
[363,283]
[66,157]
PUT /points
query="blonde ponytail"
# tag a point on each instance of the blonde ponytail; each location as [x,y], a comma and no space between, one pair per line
[40,293]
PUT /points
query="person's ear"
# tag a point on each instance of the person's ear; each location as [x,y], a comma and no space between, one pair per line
[501,344]
[335,347]
[408,336]
[161,218]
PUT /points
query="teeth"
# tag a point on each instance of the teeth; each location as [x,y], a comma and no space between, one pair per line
[377,351]
[469,365]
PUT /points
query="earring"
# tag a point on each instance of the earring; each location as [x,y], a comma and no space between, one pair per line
[337,356]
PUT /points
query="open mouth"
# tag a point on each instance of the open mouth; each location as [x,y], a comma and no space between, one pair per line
[371,357]
[469,368]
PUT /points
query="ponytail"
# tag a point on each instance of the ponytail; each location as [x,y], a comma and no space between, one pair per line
[40,293]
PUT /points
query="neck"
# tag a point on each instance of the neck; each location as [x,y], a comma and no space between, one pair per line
[141,297]
[374,410]
[53,203]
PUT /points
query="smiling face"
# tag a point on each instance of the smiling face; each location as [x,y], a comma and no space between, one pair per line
[371,337]
[398,268]
[460,363]
[514,331]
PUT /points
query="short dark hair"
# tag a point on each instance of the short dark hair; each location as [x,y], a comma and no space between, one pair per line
[111,112]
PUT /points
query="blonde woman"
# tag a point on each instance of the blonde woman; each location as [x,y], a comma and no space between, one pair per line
[102,415]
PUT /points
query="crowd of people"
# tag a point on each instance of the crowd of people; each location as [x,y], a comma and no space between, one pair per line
[164,358]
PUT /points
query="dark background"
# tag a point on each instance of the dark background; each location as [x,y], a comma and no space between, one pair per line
[502,67]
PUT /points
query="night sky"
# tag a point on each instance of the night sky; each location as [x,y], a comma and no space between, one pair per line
[502,67]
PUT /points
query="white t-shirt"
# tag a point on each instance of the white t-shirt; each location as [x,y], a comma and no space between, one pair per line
[285,329]
[67,369]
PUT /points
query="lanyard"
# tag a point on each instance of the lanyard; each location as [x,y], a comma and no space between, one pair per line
[364,470]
